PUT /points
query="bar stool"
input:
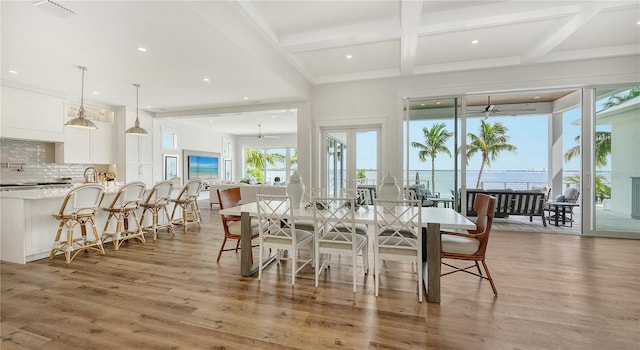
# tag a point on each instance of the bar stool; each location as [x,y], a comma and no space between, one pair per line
[123,210]
[157,201]
[79,207]
[187,201]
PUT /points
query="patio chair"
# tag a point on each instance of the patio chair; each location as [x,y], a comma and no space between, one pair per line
[570,195]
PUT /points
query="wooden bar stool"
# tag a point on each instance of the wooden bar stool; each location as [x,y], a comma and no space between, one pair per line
[123,211]
[157,201]
[79,207]
[187,201]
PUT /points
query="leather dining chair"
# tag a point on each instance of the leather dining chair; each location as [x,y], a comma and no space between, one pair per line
[228,198]
[471,245]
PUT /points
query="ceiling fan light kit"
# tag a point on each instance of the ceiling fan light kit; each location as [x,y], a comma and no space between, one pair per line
[260,136]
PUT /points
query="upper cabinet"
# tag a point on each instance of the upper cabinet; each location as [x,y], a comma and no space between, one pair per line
[82,146]
[31,116]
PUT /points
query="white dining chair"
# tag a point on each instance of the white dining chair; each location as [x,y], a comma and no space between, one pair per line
[278,231]
[398,236]
[336,234]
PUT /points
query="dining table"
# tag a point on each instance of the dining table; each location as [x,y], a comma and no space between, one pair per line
[433,219]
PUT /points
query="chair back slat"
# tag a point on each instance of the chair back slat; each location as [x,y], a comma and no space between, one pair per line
[84,199]
[275,213]
[160,194]
[335,219]
[129,196]
[398,224]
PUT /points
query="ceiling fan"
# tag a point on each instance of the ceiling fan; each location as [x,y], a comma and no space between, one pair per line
[260,136]
[495,110]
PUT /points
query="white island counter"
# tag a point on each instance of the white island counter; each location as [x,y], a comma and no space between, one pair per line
[27,226]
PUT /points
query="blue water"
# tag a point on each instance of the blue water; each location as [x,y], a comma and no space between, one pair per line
[517,180]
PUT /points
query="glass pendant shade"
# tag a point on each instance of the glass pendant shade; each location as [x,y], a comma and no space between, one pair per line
[81,121]
[136,129]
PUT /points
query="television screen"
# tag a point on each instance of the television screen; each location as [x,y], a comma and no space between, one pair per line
[203,167]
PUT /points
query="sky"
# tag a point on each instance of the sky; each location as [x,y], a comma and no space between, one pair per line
[528,133]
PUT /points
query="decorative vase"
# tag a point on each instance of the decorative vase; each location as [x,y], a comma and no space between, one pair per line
[295,189]
[389,189]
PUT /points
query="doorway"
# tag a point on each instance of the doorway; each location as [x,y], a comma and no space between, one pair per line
[351,158]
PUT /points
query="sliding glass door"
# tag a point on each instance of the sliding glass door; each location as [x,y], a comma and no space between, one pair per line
[431,137]
[613,168]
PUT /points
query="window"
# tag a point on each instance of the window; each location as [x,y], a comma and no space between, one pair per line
[169,139]
[267,165]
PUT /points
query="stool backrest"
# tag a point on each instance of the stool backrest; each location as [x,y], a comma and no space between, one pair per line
[160,193]
[191,189]
[82,200]
[129,196]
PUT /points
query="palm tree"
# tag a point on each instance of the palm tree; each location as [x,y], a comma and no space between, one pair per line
[603,148]
[490,142]
[621,97]
[257,161]
[435,141]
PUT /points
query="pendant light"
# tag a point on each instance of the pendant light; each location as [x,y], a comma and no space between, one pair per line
[136,129]
[80,121]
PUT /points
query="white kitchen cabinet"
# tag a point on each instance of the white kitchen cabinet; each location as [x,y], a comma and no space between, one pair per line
[31,116]
[83,146]
[140,172]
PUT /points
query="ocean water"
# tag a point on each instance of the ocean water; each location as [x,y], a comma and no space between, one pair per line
[516,180]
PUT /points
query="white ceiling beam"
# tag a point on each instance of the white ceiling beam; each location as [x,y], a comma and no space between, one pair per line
[361,33]
[468,65]
[589,11]
[411,12]
[599,52]
[263,27]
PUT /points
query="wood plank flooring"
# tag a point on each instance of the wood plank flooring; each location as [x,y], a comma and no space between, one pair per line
[556,292]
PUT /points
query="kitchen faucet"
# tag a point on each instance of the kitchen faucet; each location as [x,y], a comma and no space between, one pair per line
[90,175]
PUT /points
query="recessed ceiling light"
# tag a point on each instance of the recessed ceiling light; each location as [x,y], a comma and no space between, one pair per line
[206,80]
[638,22]
[474,42]
[245,98]
[536,97]
[13,71]
[274,116]
[148,106]
[142,49]
[349,57]
[422,104]
[438,102]
[96,92]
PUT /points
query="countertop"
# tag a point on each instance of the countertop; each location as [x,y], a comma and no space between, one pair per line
[46,193]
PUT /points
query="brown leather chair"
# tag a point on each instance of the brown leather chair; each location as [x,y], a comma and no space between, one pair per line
[471,245]
[230,197]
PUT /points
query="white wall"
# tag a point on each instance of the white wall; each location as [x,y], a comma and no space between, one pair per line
[189,138]
[625,157]
[356,103]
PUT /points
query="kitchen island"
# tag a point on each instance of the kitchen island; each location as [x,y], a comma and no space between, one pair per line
[28,228]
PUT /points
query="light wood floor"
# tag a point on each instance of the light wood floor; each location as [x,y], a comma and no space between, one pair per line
[556,292]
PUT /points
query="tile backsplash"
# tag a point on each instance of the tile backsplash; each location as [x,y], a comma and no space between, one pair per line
[34,161]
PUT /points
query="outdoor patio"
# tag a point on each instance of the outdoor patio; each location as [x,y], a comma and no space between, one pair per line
[607,220]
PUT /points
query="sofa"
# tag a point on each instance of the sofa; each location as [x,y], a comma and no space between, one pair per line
[247,192]
[513,202]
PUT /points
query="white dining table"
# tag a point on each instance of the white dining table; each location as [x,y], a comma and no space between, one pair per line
[433,219]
